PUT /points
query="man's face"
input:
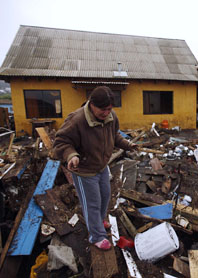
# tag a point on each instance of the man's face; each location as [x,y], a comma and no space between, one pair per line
[101,113]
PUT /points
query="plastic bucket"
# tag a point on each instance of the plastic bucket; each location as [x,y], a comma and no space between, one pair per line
[156,243]
[164,124]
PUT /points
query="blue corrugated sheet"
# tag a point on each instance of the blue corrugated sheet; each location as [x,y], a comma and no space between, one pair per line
[124,135]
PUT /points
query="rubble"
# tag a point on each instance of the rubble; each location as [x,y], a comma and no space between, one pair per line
[155,184]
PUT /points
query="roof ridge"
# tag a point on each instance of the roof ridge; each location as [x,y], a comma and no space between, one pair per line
[102,33]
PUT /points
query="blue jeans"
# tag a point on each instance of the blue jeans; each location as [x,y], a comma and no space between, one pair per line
[94,195]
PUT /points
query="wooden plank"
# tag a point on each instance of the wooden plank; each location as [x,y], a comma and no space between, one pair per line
[15,227]
[10,144]
[111,262]
[193,263]
[181,267]
[129,174]
[127,223]
[154,141]
[98,262]
[144,198]
[146,150]
[151,184]
[103,263]
[145,227]
[138,137]
[115,155]
[25,237]
[44,137]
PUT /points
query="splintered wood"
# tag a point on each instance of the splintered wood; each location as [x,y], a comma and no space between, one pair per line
[44,137]
[181,267]
[127,223]
[104,263]
[193,263]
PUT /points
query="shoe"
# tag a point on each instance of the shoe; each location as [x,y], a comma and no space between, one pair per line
[106,224]
[103,244]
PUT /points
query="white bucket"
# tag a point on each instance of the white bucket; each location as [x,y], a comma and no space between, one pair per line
[156,243]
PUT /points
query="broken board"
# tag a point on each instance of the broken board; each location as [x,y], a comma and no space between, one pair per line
[44,137]
[26,234]
[181,267]
[193,263]
[104,263]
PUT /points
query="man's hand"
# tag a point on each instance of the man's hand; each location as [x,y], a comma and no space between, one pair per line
[73,163]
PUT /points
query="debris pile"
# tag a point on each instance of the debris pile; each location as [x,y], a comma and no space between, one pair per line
[153,210]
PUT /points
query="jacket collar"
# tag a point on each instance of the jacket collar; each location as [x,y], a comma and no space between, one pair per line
[91,119]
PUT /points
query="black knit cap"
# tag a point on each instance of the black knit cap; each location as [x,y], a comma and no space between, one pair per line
[101,97]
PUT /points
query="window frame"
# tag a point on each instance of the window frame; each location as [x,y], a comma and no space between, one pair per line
[43,110]
[162,105]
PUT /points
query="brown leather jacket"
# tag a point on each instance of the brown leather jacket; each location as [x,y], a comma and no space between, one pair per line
[93,141]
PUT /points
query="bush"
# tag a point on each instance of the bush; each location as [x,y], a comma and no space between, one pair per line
[5,96]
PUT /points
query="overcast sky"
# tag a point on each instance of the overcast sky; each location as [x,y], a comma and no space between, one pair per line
[173,19]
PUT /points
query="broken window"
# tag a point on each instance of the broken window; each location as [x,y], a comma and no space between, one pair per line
[157,102]
[117,97]
[43,104]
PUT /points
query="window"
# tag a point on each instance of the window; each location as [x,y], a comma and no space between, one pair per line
[157,102]
[117,97]
[43,104]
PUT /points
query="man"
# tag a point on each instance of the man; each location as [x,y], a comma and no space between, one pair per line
[86,141]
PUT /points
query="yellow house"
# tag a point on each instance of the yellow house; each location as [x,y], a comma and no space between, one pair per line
[52,71]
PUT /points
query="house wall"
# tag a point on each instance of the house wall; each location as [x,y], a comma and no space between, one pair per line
[130,114]
[71,99]
[184,105]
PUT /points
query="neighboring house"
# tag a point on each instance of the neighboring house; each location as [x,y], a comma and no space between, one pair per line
[52,71]
[7,103]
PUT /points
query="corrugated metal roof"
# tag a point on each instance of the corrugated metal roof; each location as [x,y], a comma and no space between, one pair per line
[100,82]
[38,51]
